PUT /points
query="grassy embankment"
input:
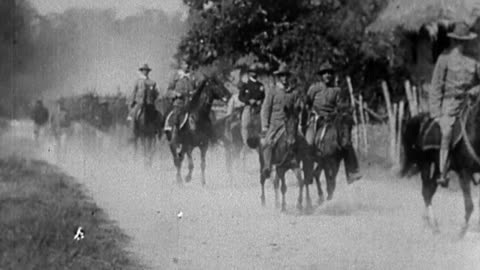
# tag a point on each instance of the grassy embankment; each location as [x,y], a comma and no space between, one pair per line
[40,211]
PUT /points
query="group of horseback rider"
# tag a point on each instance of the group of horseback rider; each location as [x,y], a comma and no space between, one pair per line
[323,97]
[456,75]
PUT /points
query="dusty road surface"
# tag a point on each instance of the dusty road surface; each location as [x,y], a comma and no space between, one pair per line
[373,224]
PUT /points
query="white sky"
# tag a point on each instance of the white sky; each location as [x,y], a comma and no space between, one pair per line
[123,7]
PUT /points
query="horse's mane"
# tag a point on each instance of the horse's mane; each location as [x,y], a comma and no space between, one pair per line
[195,101]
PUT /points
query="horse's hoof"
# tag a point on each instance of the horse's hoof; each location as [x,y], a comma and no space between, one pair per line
[462,233]
[278,205]
[321,200]
[188,179]
[262,199]
[329,197]
[309,209]
[299,207]
[284,209]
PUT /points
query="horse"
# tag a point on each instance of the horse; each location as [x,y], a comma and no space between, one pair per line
[228,132]
[330,142]
[287,154]
[62,129]
[421,144]
[146,126]
[196,130]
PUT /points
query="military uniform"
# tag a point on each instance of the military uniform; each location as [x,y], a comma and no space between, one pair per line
[145,92]
[323,101]
[252,94]
[180,90]
[455,76]
[273,116]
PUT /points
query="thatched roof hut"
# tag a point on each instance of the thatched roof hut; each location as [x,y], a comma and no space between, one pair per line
[412,15]
[421,26]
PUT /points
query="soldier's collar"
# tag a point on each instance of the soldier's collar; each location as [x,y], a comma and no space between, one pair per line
[142,76]
[252,79]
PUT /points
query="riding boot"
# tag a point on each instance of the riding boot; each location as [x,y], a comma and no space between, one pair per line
[443,161]
[351,164]
[267,157]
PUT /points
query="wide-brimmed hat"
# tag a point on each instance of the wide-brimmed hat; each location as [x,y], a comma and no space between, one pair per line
[325,67]
[252,68]
[282,70]
[461,31]
[145,67]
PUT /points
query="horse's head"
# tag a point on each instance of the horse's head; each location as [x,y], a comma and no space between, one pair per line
[343,121]
[291,123]
[217,89]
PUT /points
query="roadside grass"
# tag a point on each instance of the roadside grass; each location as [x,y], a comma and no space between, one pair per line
[40,211]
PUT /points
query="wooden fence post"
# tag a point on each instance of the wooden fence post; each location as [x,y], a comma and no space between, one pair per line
[364,127]
[401,111]
[410,98]
[391,121]
[355,122]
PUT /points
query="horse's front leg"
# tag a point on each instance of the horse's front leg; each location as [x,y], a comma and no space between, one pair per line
[177,161]
[203,161]
[281,175]
[262,177]
[429,174]
[465,179]
[189,151]
[301,182]
[276,187]
[331,171]
[317,173]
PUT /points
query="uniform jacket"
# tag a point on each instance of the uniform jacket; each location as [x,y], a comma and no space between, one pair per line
[323,99]
[252,89]
[454,75]
[273,114]
[182,86]
[144,91]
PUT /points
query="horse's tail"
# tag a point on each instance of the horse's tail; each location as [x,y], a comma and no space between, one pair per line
[410,134]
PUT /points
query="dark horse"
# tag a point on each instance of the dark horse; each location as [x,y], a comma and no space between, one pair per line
[198,130]
[330,143]
[229,132]
[421,149]
[147,125]
[288,153]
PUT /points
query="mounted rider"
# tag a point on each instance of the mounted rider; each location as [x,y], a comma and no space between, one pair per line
[251,94]
[145,93]
[323,98]
[273,114]
[60,120]
[455,77]
[39,116]
[180,90]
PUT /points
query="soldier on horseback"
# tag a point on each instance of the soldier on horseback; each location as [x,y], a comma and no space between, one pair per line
[180,89]
[323,98]
[145,93]
[40,117]
[456,76]
[273,114]
[252,94]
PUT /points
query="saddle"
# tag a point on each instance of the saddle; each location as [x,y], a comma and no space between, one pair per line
[430,134]
[170,122]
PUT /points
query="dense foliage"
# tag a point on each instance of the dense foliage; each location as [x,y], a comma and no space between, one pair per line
[301,33]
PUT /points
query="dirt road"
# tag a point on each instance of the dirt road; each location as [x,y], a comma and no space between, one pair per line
[373,224]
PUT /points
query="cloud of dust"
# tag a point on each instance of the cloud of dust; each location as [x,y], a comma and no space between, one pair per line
[81,50]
